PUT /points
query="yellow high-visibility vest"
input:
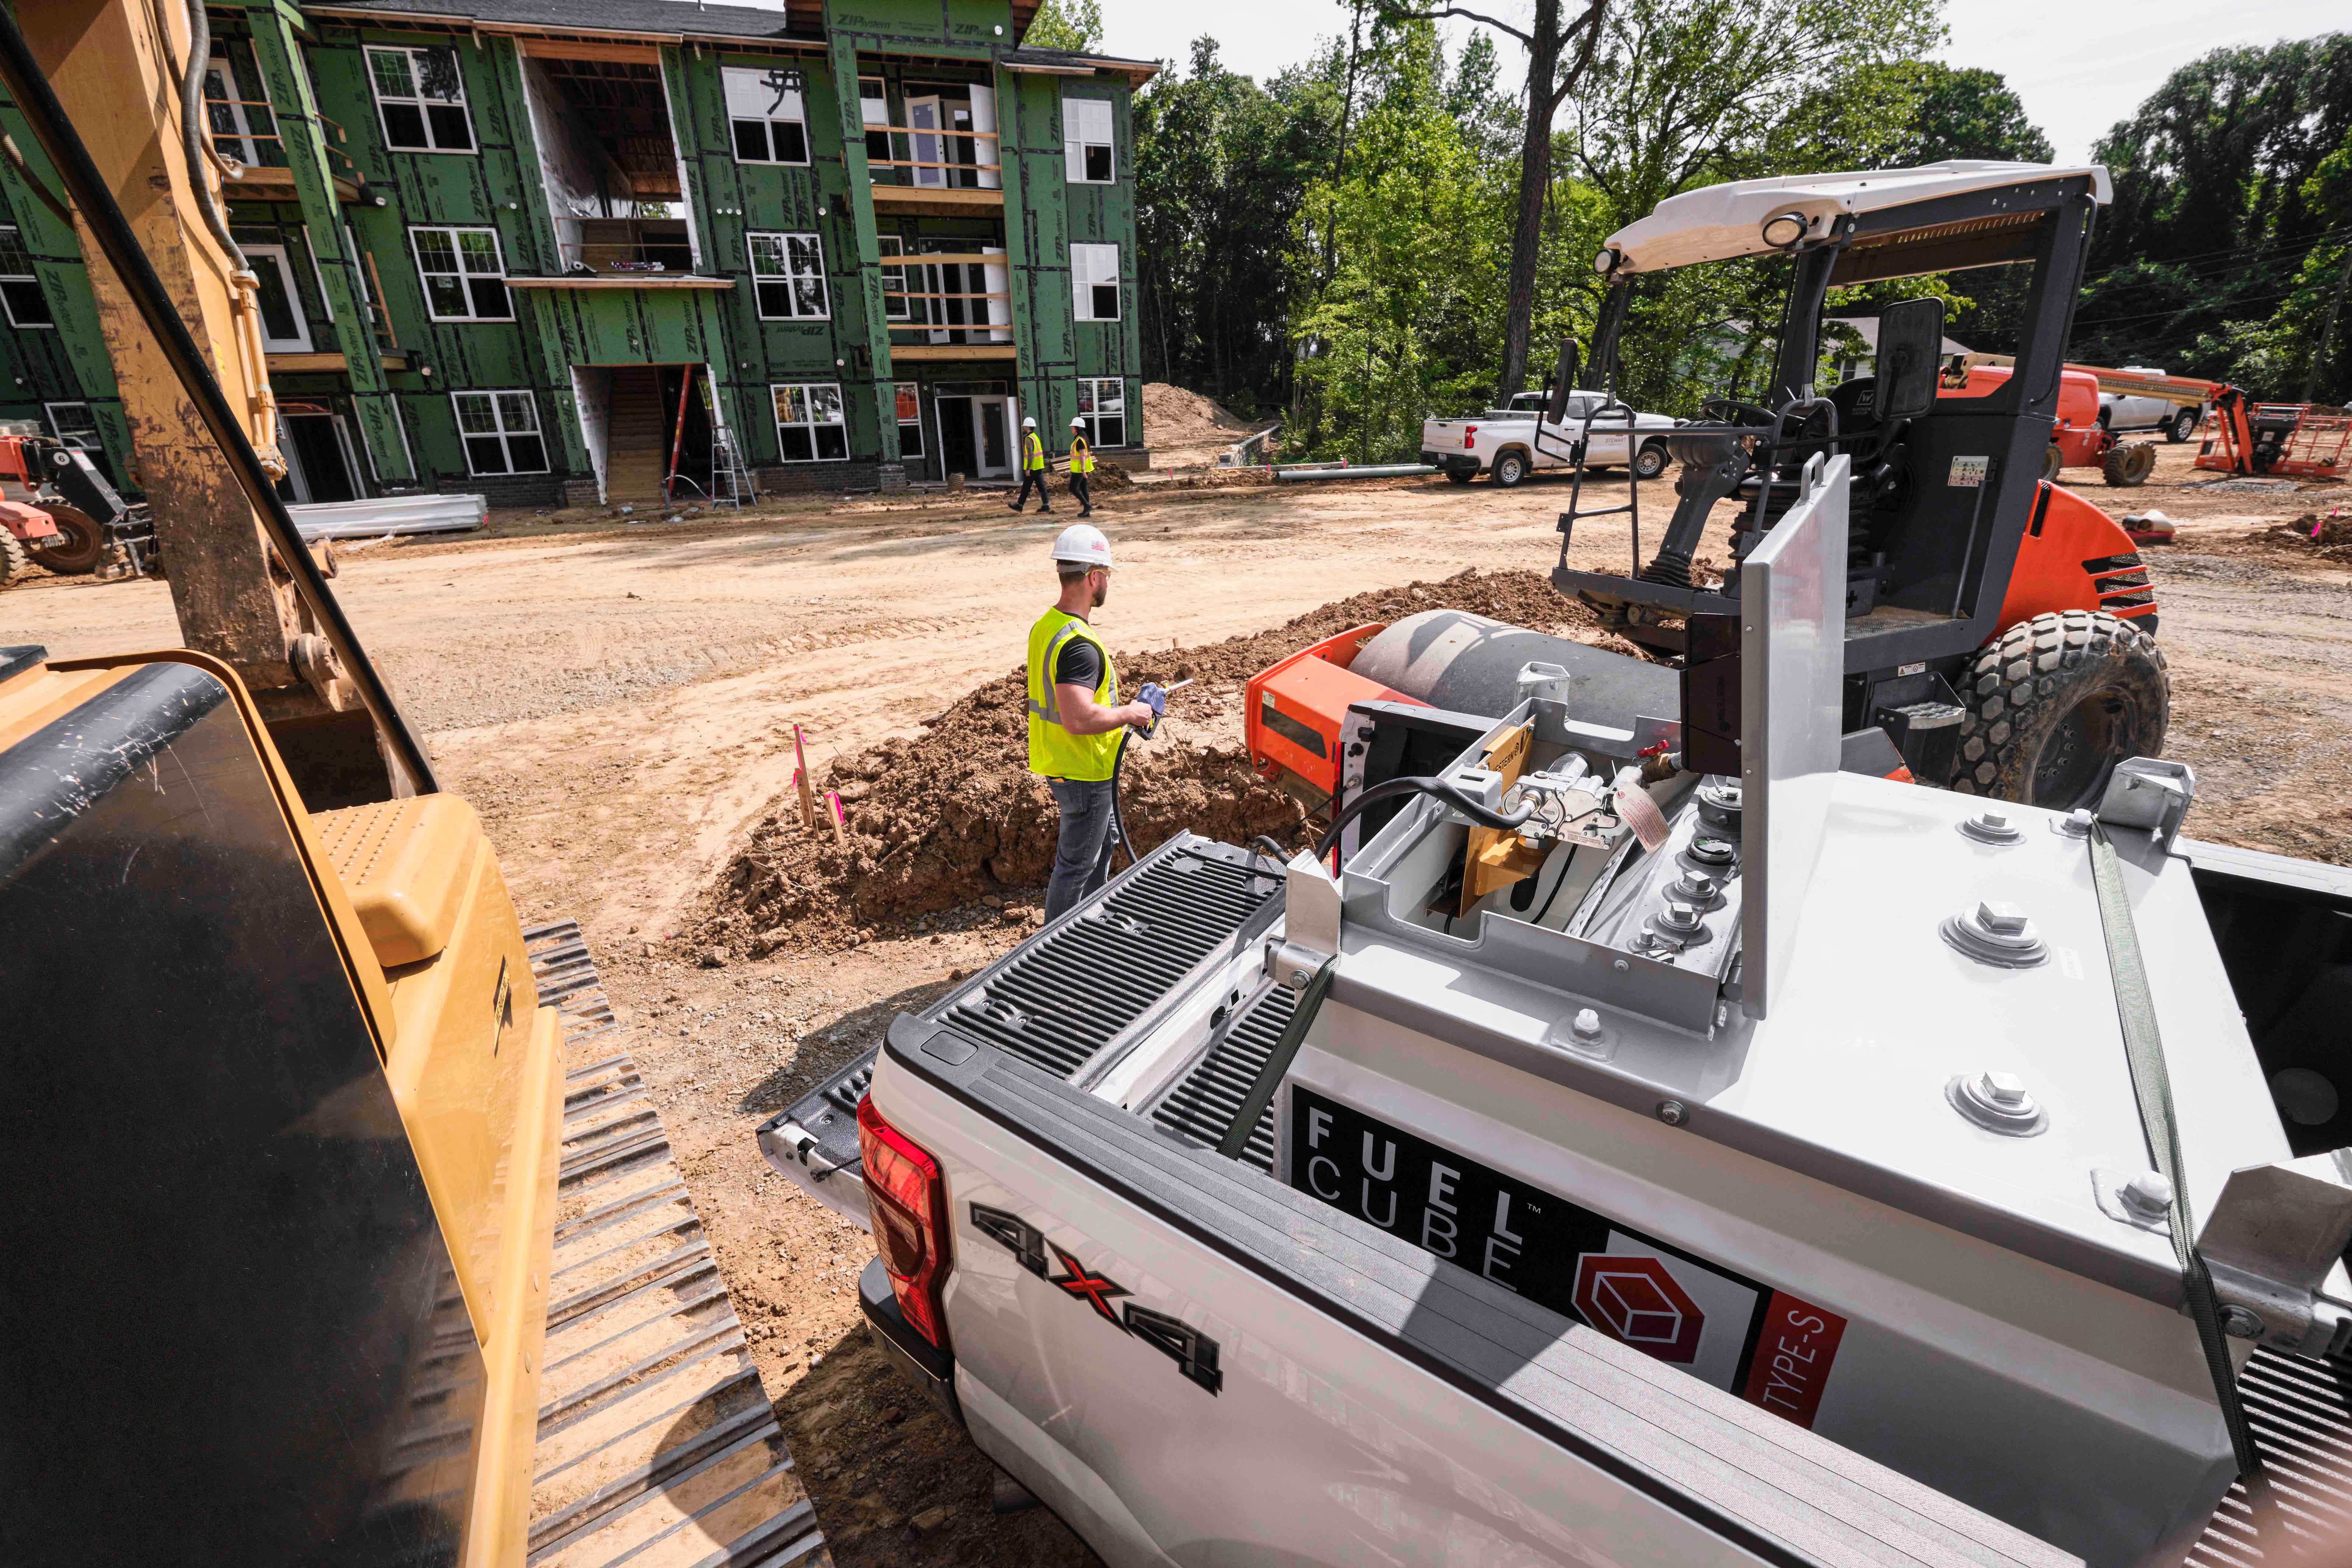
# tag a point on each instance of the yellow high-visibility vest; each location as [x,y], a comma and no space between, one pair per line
[1054,752]
[1033,457]
[1082,456]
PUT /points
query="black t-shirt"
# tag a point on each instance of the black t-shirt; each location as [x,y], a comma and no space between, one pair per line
[1079,663]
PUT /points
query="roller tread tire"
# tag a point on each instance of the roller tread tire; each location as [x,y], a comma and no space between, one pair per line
[2125,466]
[80,546]
[2021,690]
[16,562]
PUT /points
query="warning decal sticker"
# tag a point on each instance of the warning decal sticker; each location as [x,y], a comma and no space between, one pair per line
[1765,1346]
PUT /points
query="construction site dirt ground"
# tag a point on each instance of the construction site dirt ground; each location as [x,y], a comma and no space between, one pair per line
[618,700]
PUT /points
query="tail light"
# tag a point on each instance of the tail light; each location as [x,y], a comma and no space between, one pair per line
[909,1199]
[1469,436]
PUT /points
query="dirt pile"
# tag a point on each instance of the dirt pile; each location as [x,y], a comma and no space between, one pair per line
[2325,534]
[952,817]
[1186,427]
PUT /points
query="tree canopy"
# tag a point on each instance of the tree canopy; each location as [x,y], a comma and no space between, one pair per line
[1336,244]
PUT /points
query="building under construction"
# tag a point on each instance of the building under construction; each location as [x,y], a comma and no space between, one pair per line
[553,252]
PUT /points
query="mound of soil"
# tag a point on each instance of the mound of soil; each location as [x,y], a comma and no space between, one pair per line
[952,817]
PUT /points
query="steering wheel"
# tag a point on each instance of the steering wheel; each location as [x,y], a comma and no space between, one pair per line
[1730,411]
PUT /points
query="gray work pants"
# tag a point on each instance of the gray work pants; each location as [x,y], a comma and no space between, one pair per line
[1080,866]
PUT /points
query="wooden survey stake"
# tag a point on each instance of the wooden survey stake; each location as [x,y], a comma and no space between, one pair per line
[801,777]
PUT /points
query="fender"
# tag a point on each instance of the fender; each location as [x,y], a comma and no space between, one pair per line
[2075,557]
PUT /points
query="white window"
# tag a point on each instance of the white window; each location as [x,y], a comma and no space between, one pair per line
[873,107]
[20,292]
[910,420]
[1102,404]
[421,99]
[1093,274]
[809,424]
[1085,141]
[788,276]
[283,329]
[500,430]
[74,425]
[766,116]
[895,303]
[464,274]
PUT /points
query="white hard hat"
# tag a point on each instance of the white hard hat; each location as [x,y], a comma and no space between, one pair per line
[1080,423]
[1030,422]
[1083,544]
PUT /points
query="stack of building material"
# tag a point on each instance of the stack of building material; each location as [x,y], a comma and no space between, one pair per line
[390,514]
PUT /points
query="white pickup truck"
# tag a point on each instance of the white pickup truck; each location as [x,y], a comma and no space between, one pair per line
[1700,1172]
[2121,410]
[1504,442]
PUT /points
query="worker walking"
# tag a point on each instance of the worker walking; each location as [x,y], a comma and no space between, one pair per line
[1082,467]
[1033,469]
[1075,717]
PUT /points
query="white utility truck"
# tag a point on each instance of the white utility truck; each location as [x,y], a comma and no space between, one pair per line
[2121,410]
[1510,443]
[1614,1163]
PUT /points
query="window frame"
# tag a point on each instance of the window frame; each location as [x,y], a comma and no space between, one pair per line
[425,275]
[414,99]
[1090,389]
[915,390]
[840,421]
[789,276]
[28,277]
[798,120]
[896,306]
[1075,144]
[1083,300]
[499,432]
[282,255]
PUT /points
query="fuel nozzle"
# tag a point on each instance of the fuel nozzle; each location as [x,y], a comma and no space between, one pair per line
[1660,766]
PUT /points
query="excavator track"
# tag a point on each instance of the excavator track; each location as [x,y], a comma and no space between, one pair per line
[657,1446]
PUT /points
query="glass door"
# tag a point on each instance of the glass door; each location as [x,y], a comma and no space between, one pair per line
[989,418]
[923,114]
[283,330]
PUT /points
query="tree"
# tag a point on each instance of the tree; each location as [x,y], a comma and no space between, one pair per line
[1548,40]
[1969,114]
[1073,25]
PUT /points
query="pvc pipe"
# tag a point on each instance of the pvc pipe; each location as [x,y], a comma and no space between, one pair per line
[1378,471]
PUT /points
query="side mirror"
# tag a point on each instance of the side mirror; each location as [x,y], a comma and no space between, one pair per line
[1563,381]
[1910,348]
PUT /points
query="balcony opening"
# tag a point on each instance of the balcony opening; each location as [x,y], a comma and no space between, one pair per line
[943,138]
[610,164]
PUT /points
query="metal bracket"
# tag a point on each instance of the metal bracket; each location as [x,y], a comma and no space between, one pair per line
[2151,795]
[2275,1234]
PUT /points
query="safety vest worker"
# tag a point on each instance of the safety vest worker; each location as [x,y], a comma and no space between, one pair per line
[1082,464]
[1033,469]
[1076,718]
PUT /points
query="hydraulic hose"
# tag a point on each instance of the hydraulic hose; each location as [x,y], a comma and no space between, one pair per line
[1475,810]
[192,131]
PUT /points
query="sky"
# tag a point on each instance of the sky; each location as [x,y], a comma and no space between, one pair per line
[2079,64]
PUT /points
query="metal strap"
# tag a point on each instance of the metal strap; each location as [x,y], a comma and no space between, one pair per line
[1270,1077]
[2143,1050]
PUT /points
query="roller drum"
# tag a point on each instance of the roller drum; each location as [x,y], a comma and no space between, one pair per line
[1470,664]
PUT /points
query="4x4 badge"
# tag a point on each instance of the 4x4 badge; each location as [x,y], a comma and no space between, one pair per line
[1194,1353]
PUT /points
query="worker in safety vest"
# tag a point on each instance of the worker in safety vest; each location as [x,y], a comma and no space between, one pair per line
[1033,469]
[1082,464]
[1076,719]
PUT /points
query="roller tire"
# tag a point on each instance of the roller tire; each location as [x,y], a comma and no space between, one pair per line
[1652,459]
[1510,470]
[2052,462]
[2053,704]
[80,545]
[1461,476]
[16,563]
[2125,466]
[2183,426]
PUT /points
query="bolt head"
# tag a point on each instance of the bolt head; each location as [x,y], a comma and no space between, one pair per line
[1672,1112]
[2147,1194]
[1680,915]
[1996,820]
[1586,1025]
[2241,1323]
[1703,886]
[2005,918]
[2003,1088]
